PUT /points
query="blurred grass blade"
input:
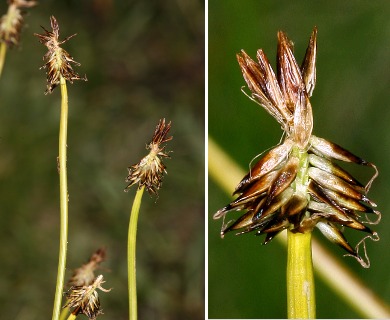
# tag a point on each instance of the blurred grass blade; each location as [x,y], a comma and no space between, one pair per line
[333,272]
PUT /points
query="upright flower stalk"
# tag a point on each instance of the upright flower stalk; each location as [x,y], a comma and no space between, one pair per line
[11,25]
[148,174]
[297,185]
[58,72]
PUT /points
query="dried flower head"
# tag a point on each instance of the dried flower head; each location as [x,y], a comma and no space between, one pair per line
[86,273]
[58,61]
[12,22]
[85,299]
[150,170]
[297,185]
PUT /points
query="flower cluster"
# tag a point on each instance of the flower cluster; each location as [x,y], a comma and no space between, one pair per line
[58,61]
[12,22]
[150,170]
[297,185]
[85,299]
[82,295]
[86,273]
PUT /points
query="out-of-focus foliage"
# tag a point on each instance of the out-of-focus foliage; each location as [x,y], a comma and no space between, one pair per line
[144,60]
[350,107]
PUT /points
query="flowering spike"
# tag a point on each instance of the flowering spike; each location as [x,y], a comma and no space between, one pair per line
[297,185]
[85,299]
[12,22]
[149,172]
[86,273]
[58,60]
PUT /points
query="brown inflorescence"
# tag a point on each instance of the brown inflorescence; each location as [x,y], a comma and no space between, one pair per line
[149,172]
[12,22]
[58,60]
[86,273]
[297,185]
[85,299]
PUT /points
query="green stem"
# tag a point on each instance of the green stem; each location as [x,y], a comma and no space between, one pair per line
[72,316]
[64,313]
[300,281]
[3,50]
[63,200]
[131,249]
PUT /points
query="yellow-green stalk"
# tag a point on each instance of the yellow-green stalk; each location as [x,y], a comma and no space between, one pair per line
[63,200]
[300,280]
[3,51]
[72,316]
[131,253]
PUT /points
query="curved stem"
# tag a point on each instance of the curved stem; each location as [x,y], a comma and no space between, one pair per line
[300,280]
[63,200]
[3,50]
[131,250]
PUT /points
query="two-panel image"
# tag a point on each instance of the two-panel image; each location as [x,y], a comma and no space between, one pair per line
[194,160]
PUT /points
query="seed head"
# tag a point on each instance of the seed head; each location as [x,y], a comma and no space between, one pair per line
[149,172]
[297,185]
[86,273]
[85,299]
[58,60]
[12,22]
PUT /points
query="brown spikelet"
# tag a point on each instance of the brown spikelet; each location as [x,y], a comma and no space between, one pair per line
[12,22]
[297,185]
[86,273]
[58,61]
[85,299]
[150,170]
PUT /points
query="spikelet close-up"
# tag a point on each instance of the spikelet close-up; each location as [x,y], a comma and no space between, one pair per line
[298,185]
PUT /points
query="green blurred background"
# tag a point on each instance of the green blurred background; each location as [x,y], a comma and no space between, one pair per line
[350,106]
[144,61]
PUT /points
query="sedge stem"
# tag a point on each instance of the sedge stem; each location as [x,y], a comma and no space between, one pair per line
[63,200]
[131,250]
[3,51]
[64,313]
[300,280]
[72,316]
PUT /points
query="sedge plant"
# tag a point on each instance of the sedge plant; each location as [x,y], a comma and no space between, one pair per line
[147,174]
[297,185]
[11,25]
[59,71]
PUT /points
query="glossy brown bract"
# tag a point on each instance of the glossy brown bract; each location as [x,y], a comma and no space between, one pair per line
[297,185]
